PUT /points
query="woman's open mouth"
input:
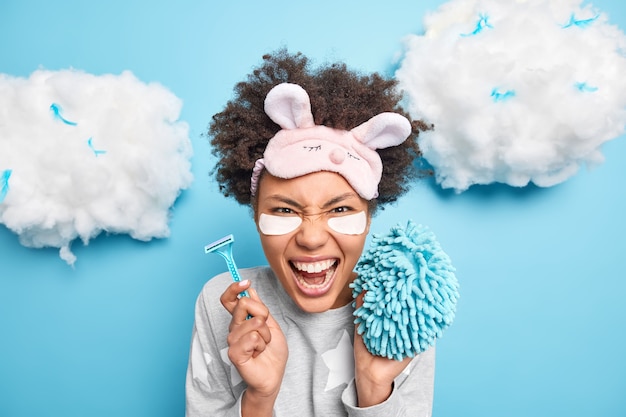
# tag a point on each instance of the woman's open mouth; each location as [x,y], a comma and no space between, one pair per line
[314,278]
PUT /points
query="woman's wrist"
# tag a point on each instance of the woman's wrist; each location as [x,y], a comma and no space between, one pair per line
[370,393]
[255,404]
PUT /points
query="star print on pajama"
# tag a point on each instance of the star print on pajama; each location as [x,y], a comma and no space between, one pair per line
[199,362]
[340,363]
[235,378]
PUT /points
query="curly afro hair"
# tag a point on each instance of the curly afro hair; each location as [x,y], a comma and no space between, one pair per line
[340,98]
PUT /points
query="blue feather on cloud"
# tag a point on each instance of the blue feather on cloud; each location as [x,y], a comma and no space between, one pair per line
[4,184]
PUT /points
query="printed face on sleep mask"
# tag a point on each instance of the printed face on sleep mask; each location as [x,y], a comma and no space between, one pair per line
[352,224]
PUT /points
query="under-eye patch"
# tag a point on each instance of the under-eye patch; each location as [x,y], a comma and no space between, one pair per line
[352,224]
[278,225]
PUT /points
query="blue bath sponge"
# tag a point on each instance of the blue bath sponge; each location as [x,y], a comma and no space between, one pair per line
[410,289]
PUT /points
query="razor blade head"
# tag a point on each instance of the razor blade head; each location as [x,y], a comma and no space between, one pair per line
[212,247]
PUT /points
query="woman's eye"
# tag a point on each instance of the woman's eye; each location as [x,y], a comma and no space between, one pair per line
[342,209]
[283,210]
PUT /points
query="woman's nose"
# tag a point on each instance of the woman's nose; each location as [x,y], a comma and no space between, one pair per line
[312,233]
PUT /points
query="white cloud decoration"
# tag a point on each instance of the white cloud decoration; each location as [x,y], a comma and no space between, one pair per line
[82,154]
[518,91]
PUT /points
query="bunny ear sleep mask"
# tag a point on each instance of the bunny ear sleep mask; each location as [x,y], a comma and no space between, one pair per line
[301,147]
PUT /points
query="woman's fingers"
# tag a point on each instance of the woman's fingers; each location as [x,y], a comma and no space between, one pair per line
[231,295]
[243,307]
[256,344]
[239,327]
[249,307]
[249,332]
[248,345]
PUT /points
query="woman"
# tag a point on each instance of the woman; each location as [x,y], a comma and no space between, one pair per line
[314,153]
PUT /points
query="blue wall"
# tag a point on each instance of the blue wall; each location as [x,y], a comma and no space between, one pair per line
[540,324]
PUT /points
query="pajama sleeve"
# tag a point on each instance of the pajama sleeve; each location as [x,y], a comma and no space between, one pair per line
[412,394]
[209,385]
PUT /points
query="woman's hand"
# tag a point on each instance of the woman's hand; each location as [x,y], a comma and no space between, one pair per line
[374,375]
[257,347]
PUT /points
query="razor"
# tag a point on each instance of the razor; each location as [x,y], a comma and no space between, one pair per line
[224,247]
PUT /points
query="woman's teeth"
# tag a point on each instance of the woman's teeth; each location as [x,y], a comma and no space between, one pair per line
[314,267]
[314,275]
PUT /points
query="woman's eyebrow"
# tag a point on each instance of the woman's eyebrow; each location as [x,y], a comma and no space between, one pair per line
[286,200]
[338,199]
[333,201]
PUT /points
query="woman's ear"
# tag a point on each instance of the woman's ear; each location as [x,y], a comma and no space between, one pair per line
[369,221]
